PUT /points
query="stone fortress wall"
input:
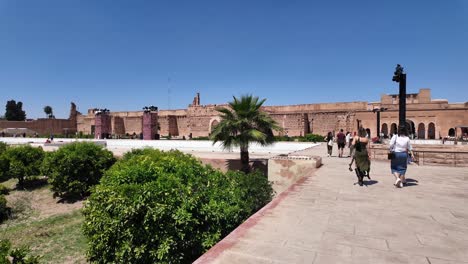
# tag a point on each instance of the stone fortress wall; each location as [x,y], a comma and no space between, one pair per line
[46,126]
[430,118]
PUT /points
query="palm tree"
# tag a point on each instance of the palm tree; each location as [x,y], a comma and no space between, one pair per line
[48,111]
[243,123]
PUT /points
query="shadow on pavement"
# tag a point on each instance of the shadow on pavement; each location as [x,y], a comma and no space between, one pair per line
[411,182]
[371,182]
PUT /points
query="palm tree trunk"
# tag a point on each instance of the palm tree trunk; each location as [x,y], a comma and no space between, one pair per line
[244,155]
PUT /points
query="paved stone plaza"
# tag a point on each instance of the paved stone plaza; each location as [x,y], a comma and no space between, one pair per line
[327,219]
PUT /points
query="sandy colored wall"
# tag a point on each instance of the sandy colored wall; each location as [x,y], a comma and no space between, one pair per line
[43,126]
[317,107]
[298,120]
[285,171]
[443,120]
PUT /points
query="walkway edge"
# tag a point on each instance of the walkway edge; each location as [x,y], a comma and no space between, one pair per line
[231,239]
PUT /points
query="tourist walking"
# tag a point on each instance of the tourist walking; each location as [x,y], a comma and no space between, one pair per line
[400,145]
[329,140]
[351,145]
[361,155]
[348,142]
[341,142]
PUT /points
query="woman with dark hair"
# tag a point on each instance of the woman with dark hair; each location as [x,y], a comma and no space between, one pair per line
[401,146]
[329,140]
[361,155]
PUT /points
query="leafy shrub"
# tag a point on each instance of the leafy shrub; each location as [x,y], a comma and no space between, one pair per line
[166,207]
[4,168]
[3,147]
[283,138]
[306,138]
[4,210]
[5,246]
[201,138]
[21,255]
[314,138]
[4,163]
[4,189]
[75,167]
[24,161]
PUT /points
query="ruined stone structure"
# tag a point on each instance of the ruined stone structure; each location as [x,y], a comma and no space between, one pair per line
[47,126]
[150,125]
[429,118]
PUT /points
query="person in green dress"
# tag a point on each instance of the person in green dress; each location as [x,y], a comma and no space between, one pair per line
[361,146]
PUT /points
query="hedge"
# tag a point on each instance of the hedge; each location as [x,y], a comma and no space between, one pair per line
[166,207]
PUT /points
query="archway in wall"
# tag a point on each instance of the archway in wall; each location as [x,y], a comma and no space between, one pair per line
[421,131]
[451,132]
[411,128]
[368,133]
[213,124]
[464,132]
[384,130]
[431,131]
[393,129]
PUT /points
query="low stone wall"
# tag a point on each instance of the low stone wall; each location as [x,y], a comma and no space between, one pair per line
[432,155]
[285,170]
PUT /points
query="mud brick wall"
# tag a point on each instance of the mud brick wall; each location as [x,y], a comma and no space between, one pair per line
[103,125]
[43,126]
[150,125]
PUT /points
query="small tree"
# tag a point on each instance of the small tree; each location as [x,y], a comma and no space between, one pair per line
[48,111]
[75,168]
[14,111]
[242,123]
[24,161]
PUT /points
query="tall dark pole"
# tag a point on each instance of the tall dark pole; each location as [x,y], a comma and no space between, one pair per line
[402,113]
[378,123]
[400,77]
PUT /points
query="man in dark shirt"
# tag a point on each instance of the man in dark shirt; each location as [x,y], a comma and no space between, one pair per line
[341,141]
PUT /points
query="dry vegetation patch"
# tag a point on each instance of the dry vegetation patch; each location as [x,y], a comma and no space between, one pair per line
[49,227]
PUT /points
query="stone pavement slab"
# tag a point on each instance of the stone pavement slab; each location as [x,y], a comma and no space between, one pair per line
[327,218]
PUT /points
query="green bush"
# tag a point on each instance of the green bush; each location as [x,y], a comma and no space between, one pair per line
[4,189]
[166,207]
[5,246]
[24,161]
[283,138]
[4,163]
[4,210]
[21,255]
[74,168]
[306,138]
[3,147]
[201,138]
[314,138]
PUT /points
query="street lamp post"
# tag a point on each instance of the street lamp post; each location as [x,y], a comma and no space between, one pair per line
[400,77]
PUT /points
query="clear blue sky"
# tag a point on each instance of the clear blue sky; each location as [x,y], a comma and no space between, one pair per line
[123,55]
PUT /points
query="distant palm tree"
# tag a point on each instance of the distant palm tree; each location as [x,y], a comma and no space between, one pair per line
[48,111]
[243,123]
